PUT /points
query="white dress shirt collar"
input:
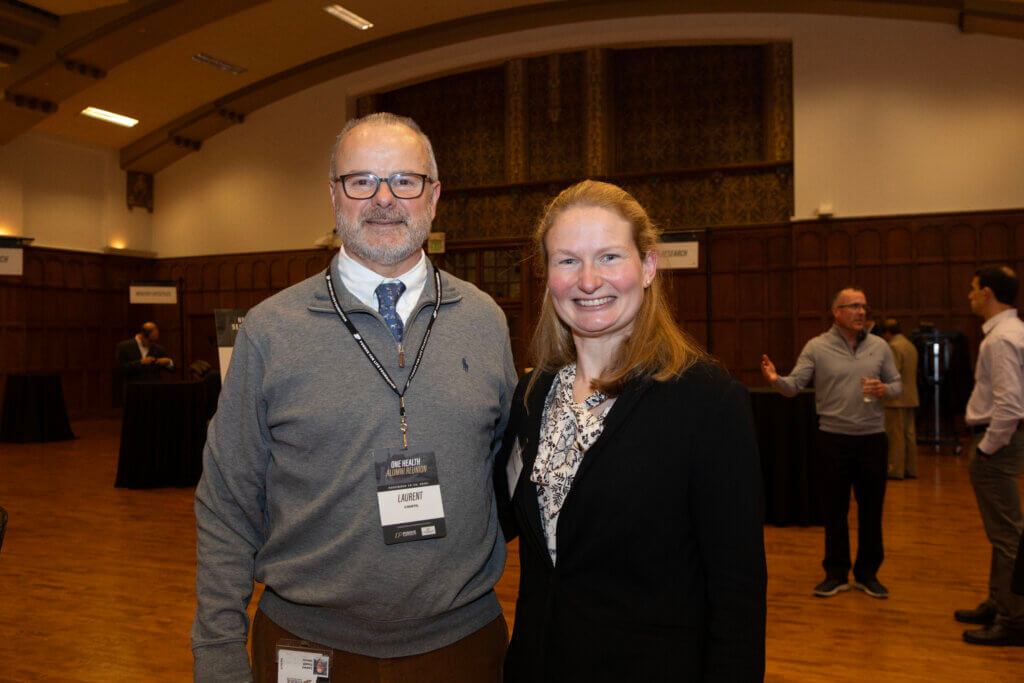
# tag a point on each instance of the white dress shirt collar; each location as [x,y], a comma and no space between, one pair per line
[362,282]
[989,324]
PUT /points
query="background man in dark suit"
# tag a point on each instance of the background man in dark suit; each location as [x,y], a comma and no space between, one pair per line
[141,359]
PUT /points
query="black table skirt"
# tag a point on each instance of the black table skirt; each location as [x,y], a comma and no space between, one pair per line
[786,434]
[162,435]
[34,409]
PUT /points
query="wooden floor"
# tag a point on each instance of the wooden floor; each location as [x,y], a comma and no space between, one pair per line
[96,583]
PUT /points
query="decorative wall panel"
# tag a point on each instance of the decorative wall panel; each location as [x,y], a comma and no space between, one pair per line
[675,202]
[516,170]
[683,107]
[556,116]
[778,101]
[697,200]
[597,111]
[491,214]
[464,115]
[704,134]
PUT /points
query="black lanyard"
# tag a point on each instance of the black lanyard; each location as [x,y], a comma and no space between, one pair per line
[373,359]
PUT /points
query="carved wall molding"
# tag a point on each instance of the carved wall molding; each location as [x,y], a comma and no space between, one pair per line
[515,121]
[597,113]
[778,102]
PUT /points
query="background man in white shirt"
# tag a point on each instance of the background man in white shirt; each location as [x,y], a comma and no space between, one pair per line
[994,414]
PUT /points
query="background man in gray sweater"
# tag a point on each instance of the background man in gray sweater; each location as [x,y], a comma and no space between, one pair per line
[348,467]
[851,370]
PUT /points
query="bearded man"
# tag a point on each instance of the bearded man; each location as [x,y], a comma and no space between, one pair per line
[348,467]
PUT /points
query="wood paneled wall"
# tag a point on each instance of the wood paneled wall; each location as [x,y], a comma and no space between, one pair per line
[771,286]
[65,314]
[767,290]
[228,281]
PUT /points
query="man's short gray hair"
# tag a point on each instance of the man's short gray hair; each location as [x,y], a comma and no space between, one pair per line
[384,118]
[839,293]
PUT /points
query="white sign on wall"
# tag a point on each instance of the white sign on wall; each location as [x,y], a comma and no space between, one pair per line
[153,293]
[435,243]
[227,321]
[10,261]
[677,255]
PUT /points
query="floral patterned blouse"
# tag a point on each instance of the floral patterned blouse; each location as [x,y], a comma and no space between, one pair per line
[568,430]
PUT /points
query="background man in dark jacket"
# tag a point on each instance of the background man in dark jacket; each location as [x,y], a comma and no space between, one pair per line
[141,359]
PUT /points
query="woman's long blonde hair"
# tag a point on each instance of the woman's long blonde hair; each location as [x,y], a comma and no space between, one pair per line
[656,347]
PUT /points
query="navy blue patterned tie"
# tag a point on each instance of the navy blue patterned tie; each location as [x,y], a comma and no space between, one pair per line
[387,294]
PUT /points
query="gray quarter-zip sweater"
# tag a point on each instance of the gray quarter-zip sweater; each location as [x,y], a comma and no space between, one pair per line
[288,495]
[836,368]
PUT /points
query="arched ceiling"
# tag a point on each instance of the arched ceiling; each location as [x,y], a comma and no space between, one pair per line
[136,58]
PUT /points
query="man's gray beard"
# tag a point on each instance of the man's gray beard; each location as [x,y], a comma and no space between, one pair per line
[352,236]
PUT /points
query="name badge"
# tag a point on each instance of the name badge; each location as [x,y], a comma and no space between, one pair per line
[409,496]
[297,663]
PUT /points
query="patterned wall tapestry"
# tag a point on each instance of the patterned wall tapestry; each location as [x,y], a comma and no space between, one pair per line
[555,136]
[701,134]
[464,116]
[688,107]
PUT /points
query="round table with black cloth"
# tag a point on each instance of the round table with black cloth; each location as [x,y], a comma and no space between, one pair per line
[34,409]
[162,435]
[786,434]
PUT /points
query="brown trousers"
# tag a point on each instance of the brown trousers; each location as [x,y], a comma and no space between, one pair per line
[900,428]
[477,658]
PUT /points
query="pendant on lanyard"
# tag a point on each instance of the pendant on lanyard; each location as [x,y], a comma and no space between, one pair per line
[402,425]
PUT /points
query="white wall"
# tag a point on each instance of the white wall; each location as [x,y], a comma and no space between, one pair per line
[259,186]
[67,195]
[897,118]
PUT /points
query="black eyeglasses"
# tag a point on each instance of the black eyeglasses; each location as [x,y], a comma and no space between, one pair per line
[365,185]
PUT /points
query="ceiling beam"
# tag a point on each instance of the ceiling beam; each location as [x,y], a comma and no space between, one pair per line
[8,54]
[139,155]
[85,47]
[28,15]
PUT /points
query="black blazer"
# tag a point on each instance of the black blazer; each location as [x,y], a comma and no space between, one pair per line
[129,362]
[661,568]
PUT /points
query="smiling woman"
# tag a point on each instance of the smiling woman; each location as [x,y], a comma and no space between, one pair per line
[629,472]
[596,274]
[596,241]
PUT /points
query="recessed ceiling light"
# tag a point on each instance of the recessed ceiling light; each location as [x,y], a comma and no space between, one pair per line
[219,63]
[110,117]
[349,17]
